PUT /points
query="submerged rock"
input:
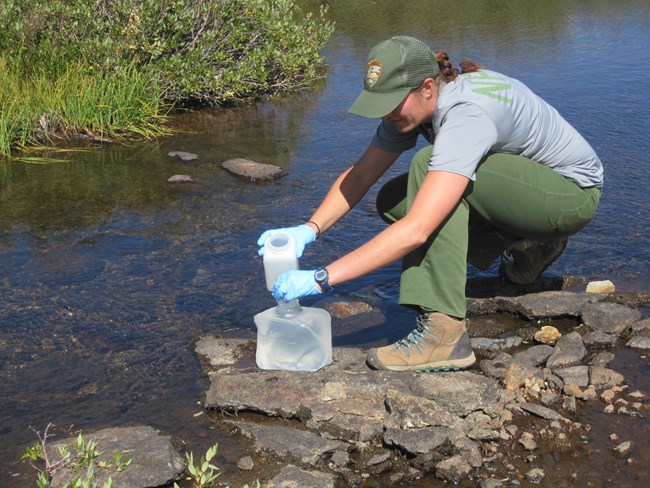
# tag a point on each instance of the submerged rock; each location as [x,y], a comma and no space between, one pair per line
[185,156]
[253,170]
[180,179]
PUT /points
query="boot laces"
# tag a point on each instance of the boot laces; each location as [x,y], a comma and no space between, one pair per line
[417,337]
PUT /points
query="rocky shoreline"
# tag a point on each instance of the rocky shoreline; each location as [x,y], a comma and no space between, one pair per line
[351,423]
[347,425]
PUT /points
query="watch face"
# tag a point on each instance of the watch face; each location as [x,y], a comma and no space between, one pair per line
[320,274]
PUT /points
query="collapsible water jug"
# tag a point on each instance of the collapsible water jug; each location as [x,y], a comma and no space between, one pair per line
[292,337]
[279,256]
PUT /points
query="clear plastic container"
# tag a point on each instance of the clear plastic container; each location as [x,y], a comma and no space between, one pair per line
[292,337]
[279,256]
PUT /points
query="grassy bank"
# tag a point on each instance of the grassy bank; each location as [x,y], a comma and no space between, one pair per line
[77,105]
[112,69]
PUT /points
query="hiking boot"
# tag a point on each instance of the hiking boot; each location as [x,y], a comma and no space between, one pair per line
[525,260]
[438,343]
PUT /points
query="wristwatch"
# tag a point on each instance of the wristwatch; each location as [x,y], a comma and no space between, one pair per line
[322,278]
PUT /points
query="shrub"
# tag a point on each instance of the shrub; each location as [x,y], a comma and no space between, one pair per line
[200,51]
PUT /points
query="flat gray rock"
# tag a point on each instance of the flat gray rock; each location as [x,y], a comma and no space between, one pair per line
[534,355]
[294,477]
[639,342]
[568,351]
[541,411]
[288,442]
[641,327]
[611,318]
[154,460]
[347,401]
[253,170]
[546,304]
[604,378]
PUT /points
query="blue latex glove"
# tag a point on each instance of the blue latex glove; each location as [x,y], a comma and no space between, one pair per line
[295,284]
[302,234]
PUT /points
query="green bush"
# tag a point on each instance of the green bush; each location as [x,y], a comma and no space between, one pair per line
[199,51]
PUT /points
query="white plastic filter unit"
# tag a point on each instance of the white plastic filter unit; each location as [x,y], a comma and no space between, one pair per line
[292,337]
[289,336]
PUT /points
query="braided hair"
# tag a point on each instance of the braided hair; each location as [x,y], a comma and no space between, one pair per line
[448,72]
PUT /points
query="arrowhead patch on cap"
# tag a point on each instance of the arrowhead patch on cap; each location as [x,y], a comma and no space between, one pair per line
[373,73]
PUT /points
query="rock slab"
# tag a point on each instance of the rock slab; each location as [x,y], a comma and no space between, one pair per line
[310,419]
[154,460]
[253,170]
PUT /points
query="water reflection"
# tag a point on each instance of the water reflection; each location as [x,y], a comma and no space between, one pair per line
[109,273]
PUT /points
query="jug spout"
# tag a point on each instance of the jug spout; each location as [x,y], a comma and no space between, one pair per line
[288,309]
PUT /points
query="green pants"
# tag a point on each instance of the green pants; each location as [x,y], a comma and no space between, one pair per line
[512,198]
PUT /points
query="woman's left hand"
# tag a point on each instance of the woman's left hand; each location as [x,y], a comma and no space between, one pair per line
[295,284]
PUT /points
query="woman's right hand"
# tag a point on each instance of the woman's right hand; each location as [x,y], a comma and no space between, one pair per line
[301,234]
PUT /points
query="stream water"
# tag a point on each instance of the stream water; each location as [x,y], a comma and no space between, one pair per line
[109,273]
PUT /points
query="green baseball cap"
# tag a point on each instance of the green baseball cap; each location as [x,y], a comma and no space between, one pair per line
[395,67]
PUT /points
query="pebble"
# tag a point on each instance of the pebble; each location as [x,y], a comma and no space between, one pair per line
[569,403]
[529,444]
[637,395]
[491,483]
[547,335]
[535,475]
[623,449]
[341,458]
[604,286]
[246,463]
[588,393]
[608,395]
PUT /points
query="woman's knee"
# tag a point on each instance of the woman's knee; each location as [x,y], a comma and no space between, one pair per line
[391,199]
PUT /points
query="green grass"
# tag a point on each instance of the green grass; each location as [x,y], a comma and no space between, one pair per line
[37,108]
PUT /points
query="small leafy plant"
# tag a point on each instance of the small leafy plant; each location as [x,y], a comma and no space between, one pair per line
[205,473]
[84,458]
